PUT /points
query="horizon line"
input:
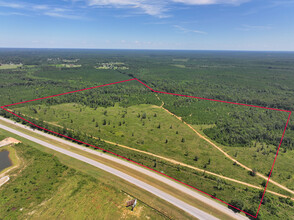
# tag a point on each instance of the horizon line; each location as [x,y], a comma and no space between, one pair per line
[144,49]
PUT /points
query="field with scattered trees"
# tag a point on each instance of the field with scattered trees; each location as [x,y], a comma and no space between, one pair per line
[128,114]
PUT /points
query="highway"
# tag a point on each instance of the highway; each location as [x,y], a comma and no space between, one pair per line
[182,205]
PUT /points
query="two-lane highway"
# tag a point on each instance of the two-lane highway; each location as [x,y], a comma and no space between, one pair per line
[182,205]
[175,201]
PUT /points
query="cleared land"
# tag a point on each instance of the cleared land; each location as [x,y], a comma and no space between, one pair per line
[144,127]
[9,66]
[97,197]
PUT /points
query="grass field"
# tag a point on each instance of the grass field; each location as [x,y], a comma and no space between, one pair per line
[68,65]
[144,127]
[47,187]
[10,66]
[258,159]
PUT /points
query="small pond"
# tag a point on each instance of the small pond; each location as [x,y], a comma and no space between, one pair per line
[4,160]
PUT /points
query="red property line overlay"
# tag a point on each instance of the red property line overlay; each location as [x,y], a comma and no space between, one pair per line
[274,109]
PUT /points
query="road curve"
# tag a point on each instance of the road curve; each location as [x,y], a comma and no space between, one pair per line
[161,178]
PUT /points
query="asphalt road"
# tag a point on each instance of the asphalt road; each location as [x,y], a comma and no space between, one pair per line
[184,206]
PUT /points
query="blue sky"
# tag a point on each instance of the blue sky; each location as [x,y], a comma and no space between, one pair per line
[148,24]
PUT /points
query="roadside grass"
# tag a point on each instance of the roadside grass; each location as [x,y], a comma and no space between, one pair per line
[161,205]
[144,127]
[248,196]
[57,191]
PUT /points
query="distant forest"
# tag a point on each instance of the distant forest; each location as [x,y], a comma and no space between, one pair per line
[258,78]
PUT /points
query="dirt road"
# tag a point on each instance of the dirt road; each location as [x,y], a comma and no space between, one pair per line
[222,151]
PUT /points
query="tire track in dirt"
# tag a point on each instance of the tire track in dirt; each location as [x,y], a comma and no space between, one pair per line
[222,151]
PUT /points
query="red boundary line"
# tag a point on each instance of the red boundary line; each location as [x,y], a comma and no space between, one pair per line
[274,109]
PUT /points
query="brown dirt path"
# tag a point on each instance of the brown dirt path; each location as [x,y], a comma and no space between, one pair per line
[180,163]
[222,151]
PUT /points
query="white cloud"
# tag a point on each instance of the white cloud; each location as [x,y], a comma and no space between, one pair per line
[61,15]
[211,2]
[47,10]
[12,14]
[40,7]
[150,7]
[186,30]
[158,8]
[11,5]
[246,27]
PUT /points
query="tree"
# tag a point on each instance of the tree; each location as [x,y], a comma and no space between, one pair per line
[195,158]
[93,120]
[104,122]
[236,203]
[183,140]
[158,126]
[155,115]
[144,115]
[253,172]
[166,141]
[96,124]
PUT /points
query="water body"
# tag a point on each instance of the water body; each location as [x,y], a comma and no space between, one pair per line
[4,160]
